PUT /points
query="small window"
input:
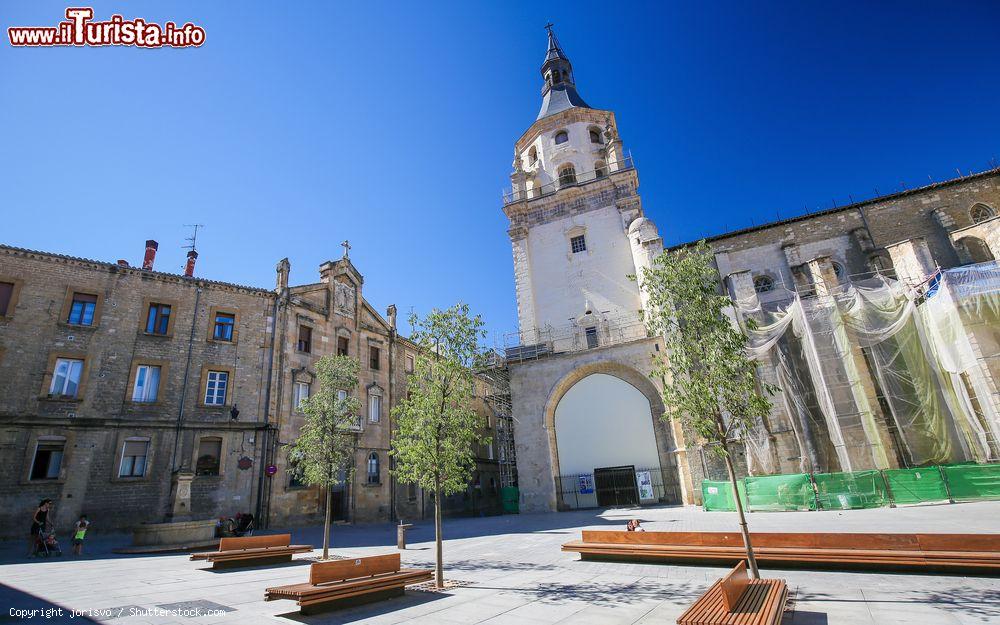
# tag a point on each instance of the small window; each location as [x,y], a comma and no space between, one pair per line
[600,169]
[838,270]
[374,354]
[305,339]
[763,284]
[216,385]
[578,244]
[341,395]
[562,137]
[981,212]
[591,338]
[342,345]
[147,384]
[134,458]
[66,378]
[158,319]
[209,451]
[6,295]
[567,175]
[300,393]
[81,312]
[532,156]
[224,323]
[374,408]
[409,363]
[373,469]
[595,136]
[48,460]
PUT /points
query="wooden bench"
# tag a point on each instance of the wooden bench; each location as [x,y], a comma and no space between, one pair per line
[344,583]
[943,552]
[249,550]
[738,600]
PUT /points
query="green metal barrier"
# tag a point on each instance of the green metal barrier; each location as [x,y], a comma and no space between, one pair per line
[780,492]
[916,485]
[850,491]
[718,496]
[509,497]
[973,482]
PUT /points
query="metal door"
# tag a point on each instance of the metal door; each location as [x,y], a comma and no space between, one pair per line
[616,486]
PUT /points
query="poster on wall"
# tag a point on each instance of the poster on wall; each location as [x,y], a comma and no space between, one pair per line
[645,483]
[586,484]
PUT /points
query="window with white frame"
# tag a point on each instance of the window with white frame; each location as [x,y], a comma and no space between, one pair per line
[374,406]
[216,385]
[48,459]
[66,377]
[147,384]
[300,393]
[409,363]
[134,455]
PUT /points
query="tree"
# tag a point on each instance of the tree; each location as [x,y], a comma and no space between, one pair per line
[437,426]
[325,446]
[710,383]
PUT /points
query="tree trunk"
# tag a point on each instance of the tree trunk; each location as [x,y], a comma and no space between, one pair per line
[751,558]
[439,566]
[326,523]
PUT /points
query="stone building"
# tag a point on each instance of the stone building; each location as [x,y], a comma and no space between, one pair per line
[892,353]
[134,395]
[587,413]
[117,381]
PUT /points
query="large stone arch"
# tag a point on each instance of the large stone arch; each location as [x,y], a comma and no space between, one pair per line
[665,442]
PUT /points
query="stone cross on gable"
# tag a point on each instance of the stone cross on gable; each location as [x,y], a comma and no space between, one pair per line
[347,248]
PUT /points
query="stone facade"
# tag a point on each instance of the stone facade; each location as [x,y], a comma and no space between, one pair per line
[72,312]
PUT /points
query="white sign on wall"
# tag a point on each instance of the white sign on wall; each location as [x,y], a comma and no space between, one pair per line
[645,482]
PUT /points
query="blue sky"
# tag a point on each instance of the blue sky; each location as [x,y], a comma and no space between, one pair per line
[298,125]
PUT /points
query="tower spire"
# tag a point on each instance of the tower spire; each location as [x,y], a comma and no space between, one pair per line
[559,90]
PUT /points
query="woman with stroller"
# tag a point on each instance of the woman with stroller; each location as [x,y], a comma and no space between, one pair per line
[38,522]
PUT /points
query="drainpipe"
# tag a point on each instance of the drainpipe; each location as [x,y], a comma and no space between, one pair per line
[388,420]
[184,383]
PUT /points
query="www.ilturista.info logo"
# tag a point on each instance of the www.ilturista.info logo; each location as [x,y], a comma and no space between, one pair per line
[80,30]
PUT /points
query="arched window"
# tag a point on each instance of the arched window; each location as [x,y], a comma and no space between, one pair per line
[838,270]
[595,136]
[532,155]
[373,469]
[562,137]
[981,212]
[567,175]
[600,169]
[763,284]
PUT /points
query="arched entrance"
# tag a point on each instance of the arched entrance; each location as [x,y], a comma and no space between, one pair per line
[606,442]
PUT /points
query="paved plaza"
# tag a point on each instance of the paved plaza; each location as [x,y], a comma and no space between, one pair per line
[511,570]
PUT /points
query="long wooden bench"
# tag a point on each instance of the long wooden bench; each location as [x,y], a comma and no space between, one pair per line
[343,583]
[738,600]
[249,550]
[949,552]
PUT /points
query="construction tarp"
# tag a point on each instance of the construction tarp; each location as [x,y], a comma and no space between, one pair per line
[973,481]
[774,493]
[848,491]
[718,496]
[916,485]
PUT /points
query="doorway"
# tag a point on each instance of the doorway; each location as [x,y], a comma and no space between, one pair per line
[616,487]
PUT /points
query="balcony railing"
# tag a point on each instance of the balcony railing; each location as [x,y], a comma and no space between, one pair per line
[564,181]
[540,342]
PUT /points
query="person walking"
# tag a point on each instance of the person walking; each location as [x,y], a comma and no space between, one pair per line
[79,531]
[38,523]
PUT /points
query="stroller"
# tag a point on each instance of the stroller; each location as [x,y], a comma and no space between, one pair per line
[46,544]
[240,525]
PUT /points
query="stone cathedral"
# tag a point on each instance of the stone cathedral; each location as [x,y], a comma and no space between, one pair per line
[885,317]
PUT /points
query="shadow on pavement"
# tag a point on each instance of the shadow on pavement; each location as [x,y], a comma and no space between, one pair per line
[379,608]
[15,601]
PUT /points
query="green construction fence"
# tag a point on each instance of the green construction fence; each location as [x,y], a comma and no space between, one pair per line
[858,489]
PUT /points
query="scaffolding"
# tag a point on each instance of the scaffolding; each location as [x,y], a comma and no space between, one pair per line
[496,375]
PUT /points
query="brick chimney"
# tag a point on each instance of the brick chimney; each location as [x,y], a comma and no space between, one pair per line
[147,261]
[189,268]
[122,262]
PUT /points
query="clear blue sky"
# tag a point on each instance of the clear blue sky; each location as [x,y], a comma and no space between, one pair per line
[300,124]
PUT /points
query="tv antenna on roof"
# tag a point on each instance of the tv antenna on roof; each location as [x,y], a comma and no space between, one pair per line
[193,238]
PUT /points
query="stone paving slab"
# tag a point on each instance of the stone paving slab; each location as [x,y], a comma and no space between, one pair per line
[514,572]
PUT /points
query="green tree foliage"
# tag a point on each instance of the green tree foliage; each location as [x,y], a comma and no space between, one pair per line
[326,443]
[710,383]
[437,427]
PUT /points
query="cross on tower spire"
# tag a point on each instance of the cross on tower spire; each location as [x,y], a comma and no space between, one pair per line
[347,248]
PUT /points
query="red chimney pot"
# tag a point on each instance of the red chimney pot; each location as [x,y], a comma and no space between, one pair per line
[147,261]
[189,268]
